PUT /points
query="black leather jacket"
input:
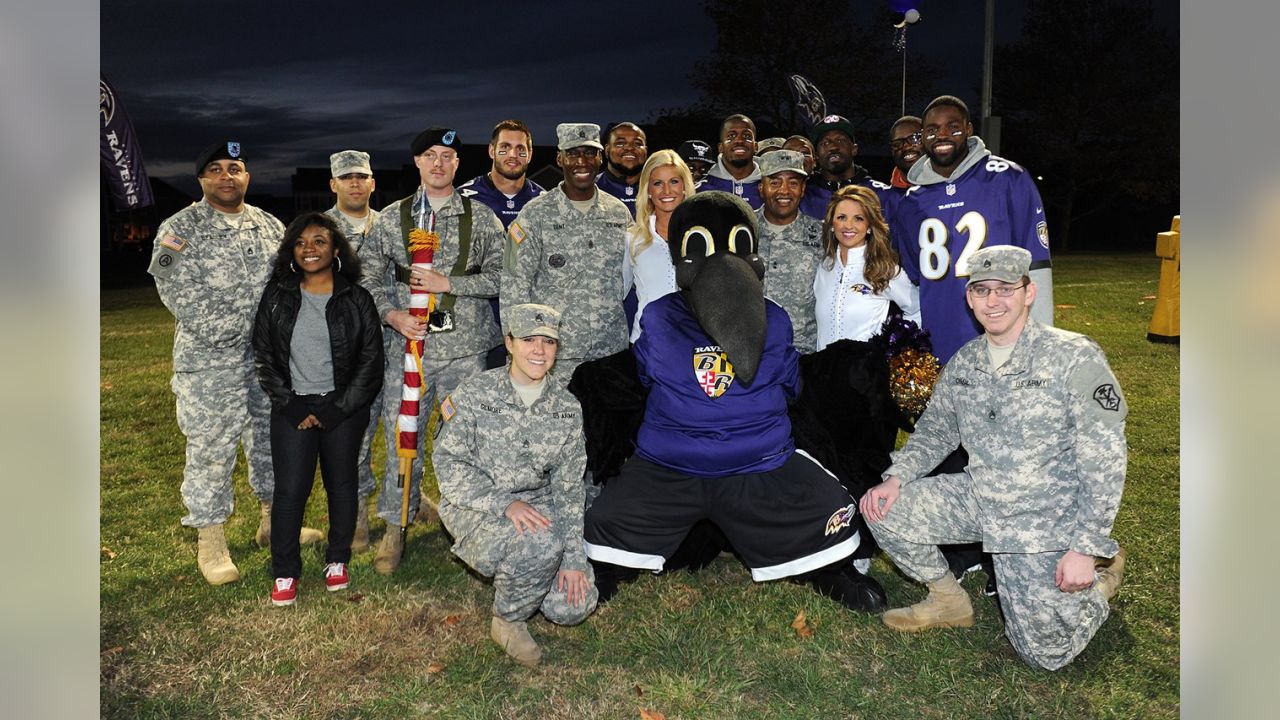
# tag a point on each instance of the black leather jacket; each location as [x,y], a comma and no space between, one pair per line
[355,339]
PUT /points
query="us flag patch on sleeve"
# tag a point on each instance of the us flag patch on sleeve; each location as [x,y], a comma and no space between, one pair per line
[173,242]
[447,411]
[517,233]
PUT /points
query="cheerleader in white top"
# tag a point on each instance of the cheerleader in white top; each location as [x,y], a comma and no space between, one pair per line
[665,182]
[859,274]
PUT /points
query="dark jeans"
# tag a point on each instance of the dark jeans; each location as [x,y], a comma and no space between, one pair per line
[293,457]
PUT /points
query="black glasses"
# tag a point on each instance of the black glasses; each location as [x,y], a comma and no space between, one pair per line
[912,139]
[1004,291]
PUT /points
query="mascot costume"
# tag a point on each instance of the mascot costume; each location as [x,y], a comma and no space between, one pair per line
[707,425]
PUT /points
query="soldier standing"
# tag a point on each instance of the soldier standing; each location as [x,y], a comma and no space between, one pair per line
[566,250]
[210,262]
[353,184]
[467,265]
[790,243]
[1042,417]
[510,459]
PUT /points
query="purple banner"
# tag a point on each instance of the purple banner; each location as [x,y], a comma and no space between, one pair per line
[121,157]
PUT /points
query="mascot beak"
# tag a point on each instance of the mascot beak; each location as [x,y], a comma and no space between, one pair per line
[727,298]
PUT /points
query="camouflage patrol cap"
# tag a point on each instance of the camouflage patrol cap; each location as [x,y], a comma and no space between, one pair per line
[424,140]
[345,162]
[572,135]
[221,150]
[773,143]
[782,161]
[1005,263]
[529,319]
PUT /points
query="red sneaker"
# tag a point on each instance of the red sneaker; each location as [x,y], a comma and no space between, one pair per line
[335,576]
[284,592]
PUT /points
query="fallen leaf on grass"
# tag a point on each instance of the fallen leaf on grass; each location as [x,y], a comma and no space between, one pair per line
[652,715]
[1066,307]
[355,597]
[1148,297]
[111,554]
[636,689]
[435,668]
[107,386]
[112,651]
[801,626]
[451,620]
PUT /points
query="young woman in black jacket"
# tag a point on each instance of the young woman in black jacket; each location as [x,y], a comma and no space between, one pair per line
[317,344]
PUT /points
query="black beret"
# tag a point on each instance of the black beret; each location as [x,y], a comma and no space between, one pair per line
[434,136]
[221,150]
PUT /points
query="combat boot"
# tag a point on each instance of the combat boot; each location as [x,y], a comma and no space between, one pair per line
[1111,574]
[389,551]
[213,557]
[427,512]
[946,606]
[306,536]
[515,640]
[360,540]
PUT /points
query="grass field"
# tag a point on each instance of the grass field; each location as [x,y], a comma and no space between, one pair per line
[710,645]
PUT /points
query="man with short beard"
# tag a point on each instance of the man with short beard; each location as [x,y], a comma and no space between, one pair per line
[790,243]
[835,149]
[736,171]
[624,153]
[904,145]
[506,188]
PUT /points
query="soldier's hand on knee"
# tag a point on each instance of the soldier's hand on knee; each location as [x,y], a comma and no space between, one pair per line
[524,517]
[574,584]
[876,502]
[1075,572]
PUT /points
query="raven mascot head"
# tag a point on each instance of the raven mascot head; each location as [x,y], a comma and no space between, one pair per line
[713,240]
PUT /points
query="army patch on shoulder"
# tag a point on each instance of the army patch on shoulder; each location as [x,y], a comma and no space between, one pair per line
[1107,397]
[517,233]
[447,410]
[173,242]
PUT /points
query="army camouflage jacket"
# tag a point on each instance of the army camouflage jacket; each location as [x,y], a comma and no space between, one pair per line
[560,257]
[1045,436]
[492,451]
[210,271]
[791,256]
[384,249]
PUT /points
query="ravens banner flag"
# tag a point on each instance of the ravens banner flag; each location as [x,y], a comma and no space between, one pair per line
[121,156]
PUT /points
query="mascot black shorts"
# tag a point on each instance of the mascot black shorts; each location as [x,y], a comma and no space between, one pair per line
[783,522]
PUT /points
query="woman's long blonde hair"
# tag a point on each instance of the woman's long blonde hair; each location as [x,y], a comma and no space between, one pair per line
[640,228]
[881,260]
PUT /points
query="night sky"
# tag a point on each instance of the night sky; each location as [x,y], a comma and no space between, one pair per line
[295,81]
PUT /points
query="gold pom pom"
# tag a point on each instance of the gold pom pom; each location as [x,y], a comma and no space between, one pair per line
[420,239]
[912,374]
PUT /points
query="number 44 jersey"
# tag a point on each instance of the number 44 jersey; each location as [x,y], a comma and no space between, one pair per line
[942,221]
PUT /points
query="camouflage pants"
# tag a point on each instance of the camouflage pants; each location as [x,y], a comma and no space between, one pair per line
[1047,627]
[220,409]
[441,379]
[524,568]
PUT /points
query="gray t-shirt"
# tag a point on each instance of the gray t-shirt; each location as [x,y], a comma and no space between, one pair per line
[310,357]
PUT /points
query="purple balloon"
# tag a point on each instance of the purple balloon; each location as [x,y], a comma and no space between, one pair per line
[901,6]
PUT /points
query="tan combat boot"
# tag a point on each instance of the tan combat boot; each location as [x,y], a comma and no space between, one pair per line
[213,557]
[360,540]
[946,606]
[306,536]
[1111,574]
[515,640]
[389,551]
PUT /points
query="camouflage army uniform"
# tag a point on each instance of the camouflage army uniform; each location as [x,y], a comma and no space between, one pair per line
[1045,435]
[560,257]
[210,271]
[493,451]
[449,357]
[355,234]
[791,256]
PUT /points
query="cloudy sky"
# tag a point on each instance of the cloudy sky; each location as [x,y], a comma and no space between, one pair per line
[294,81]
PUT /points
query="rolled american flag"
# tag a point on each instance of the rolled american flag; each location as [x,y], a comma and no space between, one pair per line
[422,248]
